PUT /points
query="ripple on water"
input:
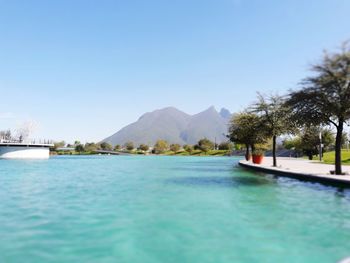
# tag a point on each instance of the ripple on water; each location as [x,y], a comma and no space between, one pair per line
[165,209]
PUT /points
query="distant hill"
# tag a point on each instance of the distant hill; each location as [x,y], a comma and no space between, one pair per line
[174,126]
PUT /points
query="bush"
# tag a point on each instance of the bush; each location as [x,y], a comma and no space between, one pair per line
[175,147]
[225,146]
[188,148]
[143,147]
[129,146]
[106,146]
[161,146]
[205,145]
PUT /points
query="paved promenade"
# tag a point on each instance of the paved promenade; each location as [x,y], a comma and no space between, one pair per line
[301,169]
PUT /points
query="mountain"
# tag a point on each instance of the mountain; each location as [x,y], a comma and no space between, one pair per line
[174,126]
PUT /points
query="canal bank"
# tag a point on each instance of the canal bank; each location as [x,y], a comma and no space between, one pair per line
[301,169]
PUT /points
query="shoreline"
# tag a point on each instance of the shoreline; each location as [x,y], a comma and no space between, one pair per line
[301,169]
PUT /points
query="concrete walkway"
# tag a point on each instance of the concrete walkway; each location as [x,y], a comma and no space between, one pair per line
[301,169]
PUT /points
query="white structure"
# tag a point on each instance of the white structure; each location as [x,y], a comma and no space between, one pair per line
[20,150]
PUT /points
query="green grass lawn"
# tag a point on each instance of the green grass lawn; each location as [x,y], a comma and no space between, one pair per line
[328,157]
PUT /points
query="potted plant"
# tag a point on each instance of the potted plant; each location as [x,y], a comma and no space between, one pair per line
[258,156]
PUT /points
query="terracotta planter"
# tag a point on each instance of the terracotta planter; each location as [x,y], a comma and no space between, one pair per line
[257,159]
[248,157]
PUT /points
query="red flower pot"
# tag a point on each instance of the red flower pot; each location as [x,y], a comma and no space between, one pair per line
[257,159]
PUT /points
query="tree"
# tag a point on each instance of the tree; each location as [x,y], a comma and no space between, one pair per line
[175,147]
[205,145]
[79,148]
[310,140]
[188,148]
[91,147]
[225,146]
[143,147]
[275,117]
[344,140]
[129,146]
[5,135]
[245,128]
[325,97]
[160,147]
[106,146]
[117,147]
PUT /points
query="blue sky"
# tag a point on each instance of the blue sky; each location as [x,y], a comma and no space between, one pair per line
[84,69]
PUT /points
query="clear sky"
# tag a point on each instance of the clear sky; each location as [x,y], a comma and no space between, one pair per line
[84,69]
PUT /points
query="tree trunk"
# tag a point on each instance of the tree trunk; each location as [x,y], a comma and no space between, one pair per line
[338,141]
[274,150]
[247,151]
[310,155]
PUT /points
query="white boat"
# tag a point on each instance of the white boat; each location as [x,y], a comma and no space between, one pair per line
[21,150]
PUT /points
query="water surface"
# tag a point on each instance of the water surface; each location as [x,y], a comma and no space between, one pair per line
[165,209]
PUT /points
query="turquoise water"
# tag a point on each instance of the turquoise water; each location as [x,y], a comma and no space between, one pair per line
[165,209]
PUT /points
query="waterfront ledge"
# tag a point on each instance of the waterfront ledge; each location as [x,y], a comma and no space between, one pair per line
[301,169]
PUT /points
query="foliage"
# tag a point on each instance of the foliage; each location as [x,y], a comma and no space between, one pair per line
[188,148]
[6,135]
[344,140]
[129,146]
[310,140]
[79,148]
[226,146]
[205,145]
[246,128]
[292,143]
[307,141]
[106,146]
[325,97]
[258,151]
[116,147]
[275,118]
[91,147]
[160,147]
[175,147]
[143,147]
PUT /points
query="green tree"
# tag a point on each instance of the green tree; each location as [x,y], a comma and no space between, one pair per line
[91,147]
[325,97]
[226,146]
[310,140]
[106,146]
[79,148]
[117,147]
[344,140]
[144,147]
[160,147]
[129,146]
[205,145]
[188,148]
[175,147]
[245,128]
[275,117]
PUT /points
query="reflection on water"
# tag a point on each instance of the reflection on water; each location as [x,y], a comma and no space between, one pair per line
[222,181]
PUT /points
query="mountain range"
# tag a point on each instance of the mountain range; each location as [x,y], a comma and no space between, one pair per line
[174,126]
